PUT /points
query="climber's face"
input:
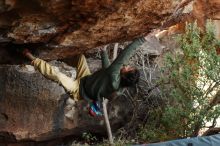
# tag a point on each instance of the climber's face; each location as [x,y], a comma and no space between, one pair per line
[126,69]
[129,76]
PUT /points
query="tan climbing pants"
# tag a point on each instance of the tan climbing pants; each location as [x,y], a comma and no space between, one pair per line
[53,73]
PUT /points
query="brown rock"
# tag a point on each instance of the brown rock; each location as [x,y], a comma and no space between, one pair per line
[64,28]
[68,27]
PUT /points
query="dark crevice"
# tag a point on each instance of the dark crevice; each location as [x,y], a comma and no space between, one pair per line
[13,52]
[57,142]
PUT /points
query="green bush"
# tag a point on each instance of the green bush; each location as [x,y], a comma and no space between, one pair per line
[190,82]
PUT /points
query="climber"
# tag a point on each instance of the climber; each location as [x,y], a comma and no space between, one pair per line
[92,87]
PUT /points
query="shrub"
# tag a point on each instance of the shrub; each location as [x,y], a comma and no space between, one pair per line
[190,88]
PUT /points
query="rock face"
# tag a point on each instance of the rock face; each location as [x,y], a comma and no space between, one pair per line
[33,108]
[64,28]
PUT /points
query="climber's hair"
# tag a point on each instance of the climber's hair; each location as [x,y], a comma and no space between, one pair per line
[130,78]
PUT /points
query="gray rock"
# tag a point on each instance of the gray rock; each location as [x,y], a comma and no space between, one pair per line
[33,108]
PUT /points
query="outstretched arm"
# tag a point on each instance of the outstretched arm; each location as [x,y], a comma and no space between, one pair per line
[50,72]
[126,54]
[105,58]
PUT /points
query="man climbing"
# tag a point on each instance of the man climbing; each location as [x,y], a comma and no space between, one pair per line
[92,87]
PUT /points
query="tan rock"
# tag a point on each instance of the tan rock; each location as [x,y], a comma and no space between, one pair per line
[64,28]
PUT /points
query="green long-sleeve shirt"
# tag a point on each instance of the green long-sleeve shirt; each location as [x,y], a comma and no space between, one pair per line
[107,80]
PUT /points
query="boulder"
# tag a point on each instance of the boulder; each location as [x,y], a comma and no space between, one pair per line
[34,108]
[63,28]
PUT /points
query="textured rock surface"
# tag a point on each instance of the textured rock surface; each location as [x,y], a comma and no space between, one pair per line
[204,10]
[67,27]
[33,108]
[63,28]
[197,10]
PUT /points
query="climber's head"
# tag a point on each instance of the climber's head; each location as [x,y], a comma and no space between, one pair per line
[129,76]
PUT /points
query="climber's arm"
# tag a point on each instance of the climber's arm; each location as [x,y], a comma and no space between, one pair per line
[105,58]
[126,54]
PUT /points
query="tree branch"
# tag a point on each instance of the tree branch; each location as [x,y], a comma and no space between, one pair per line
[211,131]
